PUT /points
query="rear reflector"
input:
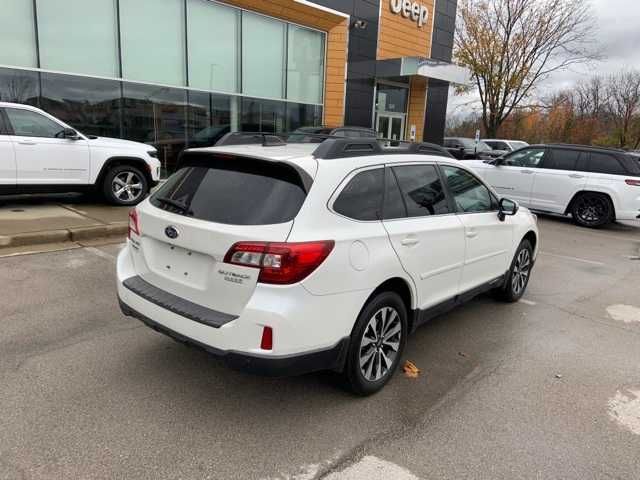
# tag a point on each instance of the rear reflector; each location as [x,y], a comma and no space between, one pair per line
[630,181]
[134,226]
[267,339]
[280,263]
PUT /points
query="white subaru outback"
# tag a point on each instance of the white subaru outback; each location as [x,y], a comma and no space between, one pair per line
[41,154]
[285,259]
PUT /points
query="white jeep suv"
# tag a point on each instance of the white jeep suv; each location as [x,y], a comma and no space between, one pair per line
[285,259]
[41,154]
[595,185]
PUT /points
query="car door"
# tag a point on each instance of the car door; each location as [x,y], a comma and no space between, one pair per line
[487,239]
[557,179]
[42,155]
[424,231]
[7,157]
[513,176]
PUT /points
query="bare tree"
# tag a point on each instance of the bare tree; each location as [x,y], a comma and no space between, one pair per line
[623,91]
[510,46]
[591,97]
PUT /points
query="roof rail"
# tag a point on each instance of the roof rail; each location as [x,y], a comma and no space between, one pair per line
[251,138]
[335,148]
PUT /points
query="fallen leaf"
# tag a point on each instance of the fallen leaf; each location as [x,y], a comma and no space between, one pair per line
[410,369]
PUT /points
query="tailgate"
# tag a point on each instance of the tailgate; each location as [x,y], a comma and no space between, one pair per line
[187,227]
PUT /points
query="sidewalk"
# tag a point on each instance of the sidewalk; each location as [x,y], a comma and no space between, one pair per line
[30,220]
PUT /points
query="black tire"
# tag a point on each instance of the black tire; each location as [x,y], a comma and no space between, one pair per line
[381,306]
[118,178]
[519,274]
[592,210]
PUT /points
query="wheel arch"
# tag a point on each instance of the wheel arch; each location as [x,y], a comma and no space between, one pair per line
[532,237]
[123,160]
[404,289]
[588,191]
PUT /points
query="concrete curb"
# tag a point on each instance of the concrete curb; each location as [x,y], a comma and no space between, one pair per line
[65,235]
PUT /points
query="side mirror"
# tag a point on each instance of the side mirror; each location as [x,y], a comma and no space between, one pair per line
[70,134]
[507,208]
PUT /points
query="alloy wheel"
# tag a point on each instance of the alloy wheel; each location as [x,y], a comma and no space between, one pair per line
[127,186]
[521,270]
[591,209]
[380,344]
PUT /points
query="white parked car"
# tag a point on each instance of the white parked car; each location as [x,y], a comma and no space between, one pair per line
[41,154]
[595,185]
[505,145]
[302,257]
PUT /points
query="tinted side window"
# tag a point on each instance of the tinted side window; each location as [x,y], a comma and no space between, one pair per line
[562,159]
[469,194]
[498,145]
[361,199]
[31,124]
[530,158]
[422,190]
[605,163]
[394,206]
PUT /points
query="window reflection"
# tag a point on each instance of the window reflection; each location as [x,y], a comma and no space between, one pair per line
[91,105]
[267,116]
[18,86]
[209,118]
[157,116]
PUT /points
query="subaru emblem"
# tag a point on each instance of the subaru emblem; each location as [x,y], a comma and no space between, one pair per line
[171,232]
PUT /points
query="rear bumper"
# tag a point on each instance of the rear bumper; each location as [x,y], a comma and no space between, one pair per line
[273,366]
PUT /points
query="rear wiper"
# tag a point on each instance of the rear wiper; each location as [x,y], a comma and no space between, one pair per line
[184,208]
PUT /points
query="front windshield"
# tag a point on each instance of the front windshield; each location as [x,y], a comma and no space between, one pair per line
[483,147]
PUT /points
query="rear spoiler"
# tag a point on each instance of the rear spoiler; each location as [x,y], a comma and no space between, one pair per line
[199,158]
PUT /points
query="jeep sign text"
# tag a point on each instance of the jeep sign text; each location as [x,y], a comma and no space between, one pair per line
[417,12]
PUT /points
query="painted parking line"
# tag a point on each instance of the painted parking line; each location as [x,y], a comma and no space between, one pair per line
[527,302]
[575,259]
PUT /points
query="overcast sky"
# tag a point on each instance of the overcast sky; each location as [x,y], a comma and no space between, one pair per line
[618,32]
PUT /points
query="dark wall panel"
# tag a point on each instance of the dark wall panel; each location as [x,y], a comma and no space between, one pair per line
[363,45]
[442,49]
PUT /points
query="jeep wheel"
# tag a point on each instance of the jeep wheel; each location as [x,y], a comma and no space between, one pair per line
[592,210]
[376,345]
[125,185]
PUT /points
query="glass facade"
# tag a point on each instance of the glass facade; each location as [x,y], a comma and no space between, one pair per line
[202,68]
[70,43]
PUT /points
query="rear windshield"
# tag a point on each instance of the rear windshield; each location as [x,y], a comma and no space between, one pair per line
[233,191]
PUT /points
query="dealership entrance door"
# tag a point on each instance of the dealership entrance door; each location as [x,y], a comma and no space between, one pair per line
[390,126]
[391,110]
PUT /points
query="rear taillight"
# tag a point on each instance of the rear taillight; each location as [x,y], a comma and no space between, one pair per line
[631,181]
[280,263]
[134,226]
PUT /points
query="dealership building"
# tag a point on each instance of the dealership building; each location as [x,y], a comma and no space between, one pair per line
[178,73]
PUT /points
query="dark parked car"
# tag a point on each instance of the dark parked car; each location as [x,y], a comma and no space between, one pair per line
[467,149]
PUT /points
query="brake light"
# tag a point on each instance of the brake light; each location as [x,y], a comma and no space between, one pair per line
[632,182]
[280,263]
[134,226]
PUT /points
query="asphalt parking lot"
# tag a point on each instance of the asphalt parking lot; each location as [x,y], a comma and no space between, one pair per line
[545,388]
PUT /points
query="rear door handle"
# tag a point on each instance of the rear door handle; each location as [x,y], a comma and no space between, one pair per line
[409,242]
[528,172]
[472,233]
[575,175]
[26,142]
